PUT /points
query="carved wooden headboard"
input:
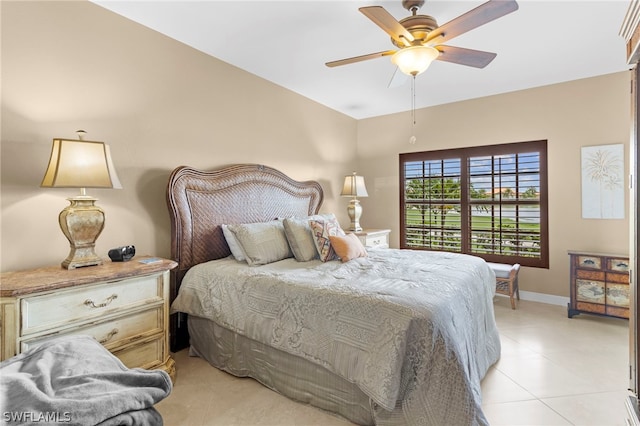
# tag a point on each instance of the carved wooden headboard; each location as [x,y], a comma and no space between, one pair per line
[200,201]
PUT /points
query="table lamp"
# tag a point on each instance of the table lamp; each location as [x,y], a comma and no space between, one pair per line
[81,164]
[354,187]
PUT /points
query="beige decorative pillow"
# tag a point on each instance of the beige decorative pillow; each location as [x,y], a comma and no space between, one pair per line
[262,242]
[298,232]
[348,247]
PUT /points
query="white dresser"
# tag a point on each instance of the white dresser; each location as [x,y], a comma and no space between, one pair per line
[123,305]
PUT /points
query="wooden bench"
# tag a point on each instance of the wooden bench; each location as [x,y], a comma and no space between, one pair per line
[507,280]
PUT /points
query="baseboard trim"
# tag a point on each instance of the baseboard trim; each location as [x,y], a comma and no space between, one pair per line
[542,298]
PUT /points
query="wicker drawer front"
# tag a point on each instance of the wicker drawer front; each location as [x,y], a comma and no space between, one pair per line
[617,312]
[613,277]
[590,275]
[596,308]
[41,313]
[113,333]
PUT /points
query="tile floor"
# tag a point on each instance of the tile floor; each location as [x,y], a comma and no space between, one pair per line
[553,371]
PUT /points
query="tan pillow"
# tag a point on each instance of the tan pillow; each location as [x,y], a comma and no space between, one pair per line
[348,247]
[263,242]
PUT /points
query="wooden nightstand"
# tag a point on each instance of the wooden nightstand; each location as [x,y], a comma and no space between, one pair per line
[123,305]
[371,238]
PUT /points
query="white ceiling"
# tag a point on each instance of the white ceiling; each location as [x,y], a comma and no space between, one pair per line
[288,42]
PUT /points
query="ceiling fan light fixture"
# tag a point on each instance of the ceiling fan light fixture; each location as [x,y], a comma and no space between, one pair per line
[414,60]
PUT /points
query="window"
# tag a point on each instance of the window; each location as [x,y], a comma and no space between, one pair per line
[488,201]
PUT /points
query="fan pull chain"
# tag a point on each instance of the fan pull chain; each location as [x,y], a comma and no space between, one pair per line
[412,139]
[413,100]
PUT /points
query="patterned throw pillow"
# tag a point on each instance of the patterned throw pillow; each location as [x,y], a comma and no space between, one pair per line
[321,231]
[300,238]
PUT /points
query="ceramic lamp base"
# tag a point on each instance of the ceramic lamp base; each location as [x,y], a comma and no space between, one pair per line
[81,222]
[354,210]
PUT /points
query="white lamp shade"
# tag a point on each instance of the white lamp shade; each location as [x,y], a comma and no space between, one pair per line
[415,59]
[354,186]
[80,164]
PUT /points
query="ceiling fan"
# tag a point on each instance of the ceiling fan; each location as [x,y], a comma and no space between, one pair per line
[419,38]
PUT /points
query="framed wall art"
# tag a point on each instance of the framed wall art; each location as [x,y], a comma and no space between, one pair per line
[602,169]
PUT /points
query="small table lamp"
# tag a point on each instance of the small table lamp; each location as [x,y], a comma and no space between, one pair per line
[81,164]
[354,187]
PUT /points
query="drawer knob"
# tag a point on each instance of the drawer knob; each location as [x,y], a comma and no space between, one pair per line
[109,336]
[110,299]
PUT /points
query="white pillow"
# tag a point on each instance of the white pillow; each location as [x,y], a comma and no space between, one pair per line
[300,238]
[263,242]
[236,249]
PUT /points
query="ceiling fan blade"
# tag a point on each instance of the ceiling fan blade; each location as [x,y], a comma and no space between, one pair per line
[486,12]
[463,56]
[388,23]
[360,58]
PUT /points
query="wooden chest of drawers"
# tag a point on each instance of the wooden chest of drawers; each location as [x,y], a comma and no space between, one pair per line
[123,305]
[599,284]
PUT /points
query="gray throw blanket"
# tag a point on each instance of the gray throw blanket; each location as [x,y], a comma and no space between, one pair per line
[75,381]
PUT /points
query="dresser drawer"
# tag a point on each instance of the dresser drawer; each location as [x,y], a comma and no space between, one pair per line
[590,291]
[45,312]
[594,262]
[372,238]
[617,277]
[147,353]
[590,275]
[621,265]
[377,241]
[113,333]
[618,295]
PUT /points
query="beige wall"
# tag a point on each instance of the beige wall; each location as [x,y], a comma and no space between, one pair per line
[592,111]
[160,104]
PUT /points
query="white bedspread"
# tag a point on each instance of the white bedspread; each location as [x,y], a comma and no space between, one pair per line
[414,330]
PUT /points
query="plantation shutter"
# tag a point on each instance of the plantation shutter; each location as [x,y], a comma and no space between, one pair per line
[488,201]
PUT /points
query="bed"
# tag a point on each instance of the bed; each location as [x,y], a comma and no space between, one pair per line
[395,337]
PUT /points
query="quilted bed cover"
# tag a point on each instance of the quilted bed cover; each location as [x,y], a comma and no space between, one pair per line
[414,330]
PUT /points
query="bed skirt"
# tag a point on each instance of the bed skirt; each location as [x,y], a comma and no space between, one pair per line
[291,376]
